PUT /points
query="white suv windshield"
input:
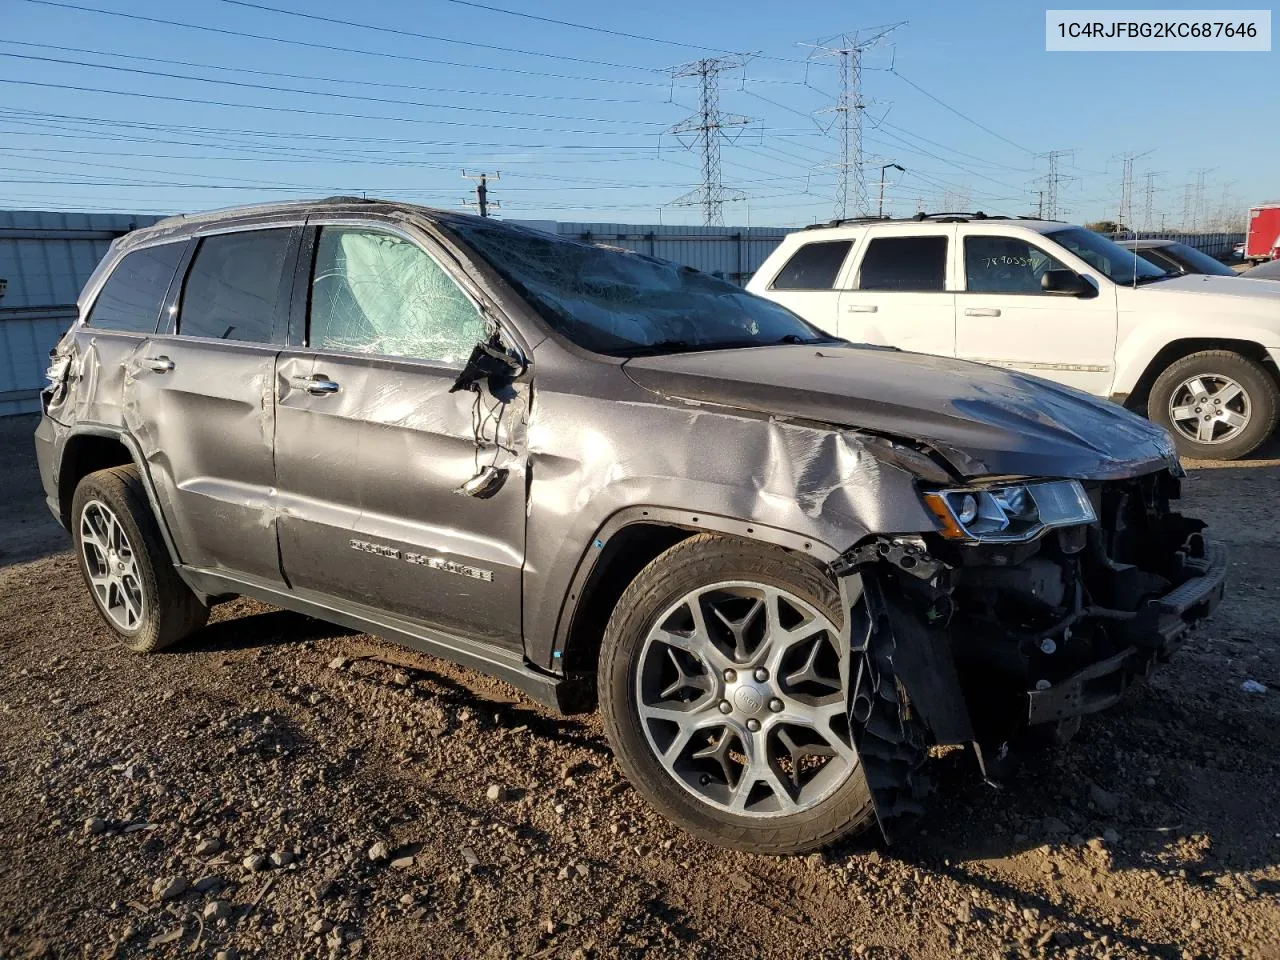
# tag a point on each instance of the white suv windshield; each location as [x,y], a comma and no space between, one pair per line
[1121,265]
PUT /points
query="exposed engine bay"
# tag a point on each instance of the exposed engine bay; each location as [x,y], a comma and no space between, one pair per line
[988,639]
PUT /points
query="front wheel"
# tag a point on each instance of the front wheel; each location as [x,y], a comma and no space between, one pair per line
[724,693]
[1217,404]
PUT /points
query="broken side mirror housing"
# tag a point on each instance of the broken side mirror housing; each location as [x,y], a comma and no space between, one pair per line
[1067,283]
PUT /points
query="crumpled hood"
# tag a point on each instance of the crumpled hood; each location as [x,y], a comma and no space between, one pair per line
[984,420]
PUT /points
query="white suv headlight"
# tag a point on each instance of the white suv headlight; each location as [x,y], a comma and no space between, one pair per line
[1009,513]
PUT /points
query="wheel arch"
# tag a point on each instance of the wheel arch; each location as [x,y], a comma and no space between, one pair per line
[623,546]
[90,449]
[1175,350]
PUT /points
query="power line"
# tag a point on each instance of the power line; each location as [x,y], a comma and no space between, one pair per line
[959,113]
[311,76]
[708,126]
[604,30]
[299,110]
[400,102]
[395,31]
[241,35]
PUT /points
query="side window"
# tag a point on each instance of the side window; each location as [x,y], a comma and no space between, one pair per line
[377,293]
[132,296]
[815,266]
[1005,265]
[234,285]
[916,264]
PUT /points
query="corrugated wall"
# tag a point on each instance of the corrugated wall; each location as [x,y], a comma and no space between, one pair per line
[45,258]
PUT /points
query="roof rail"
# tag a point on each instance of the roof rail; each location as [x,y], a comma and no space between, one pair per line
[940,217]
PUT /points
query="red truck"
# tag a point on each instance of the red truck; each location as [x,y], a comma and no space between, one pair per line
[1262,242]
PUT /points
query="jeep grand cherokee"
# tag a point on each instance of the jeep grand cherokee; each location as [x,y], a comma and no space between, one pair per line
[781,564]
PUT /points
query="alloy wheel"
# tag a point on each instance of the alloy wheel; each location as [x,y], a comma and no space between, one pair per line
[1209,408]
[111,566]
[741,691]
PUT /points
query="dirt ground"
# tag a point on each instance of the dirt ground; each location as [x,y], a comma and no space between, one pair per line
[278,787]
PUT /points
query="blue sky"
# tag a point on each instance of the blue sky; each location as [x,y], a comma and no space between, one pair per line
[574,119]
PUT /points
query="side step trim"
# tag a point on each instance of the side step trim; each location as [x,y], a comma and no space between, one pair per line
[560,694]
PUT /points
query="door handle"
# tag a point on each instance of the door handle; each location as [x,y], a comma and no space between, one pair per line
[317,386]
[863,308]
[981,311]
[158,364]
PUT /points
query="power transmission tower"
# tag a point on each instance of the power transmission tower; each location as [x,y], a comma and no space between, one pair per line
[482,203]
[851,186]
[1125,219]
[707,128]
[1188,206]
[1148,206]
[1199,211]
[1053,179]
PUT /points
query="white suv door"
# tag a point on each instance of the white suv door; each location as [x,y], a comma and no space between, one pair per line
[1004,318]
[898,290]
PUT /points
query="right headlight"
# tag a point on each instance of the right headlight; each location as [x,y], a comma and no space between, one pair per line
[1009,513]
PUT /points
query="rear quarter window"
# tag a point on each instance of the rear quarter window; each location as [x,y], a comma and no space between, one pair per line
[815,266]
[131,298]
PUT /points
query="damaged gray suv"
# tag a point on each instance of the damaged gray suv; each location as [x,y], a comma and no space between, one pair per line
[782,565]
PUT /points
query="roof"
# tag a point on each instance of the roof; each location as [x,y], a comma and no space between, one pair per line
[185,224]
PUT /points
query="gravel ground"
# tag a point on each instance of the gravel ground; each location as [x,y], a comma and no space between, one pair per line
[278,787]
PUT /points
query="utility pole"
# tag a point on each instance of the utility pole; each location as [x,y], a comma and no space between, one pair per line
[482,202]
[1040,205]
[707,128]
[851,187]
[887,166]
[1052,180]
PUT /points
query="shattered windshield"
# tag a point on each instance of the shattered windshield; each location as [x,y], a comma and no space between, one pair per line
[617,302]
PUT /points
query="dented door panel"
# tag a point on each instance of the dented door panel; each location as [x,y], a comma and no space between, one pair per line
[369,503]
[206,426]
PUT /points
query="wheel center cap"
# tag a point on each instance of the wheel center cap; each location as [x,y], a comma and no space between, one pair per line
[750,699]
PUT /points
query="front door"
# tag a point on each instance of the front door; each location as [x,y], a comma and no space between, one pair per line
[898,294]
[1005,319]
[372,448]
[199,399]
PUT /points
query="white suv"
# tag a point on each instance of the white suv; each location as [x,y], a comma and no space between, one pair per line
[1199,353]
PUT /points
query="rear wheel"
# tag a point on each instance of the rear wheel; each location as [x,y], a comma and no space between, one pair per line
[126,564]
[1217,404]
[725,695]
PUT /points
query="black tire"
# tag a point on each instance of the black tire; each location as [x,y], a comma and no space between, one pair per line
[694,562]
[1258,384]
[170,611]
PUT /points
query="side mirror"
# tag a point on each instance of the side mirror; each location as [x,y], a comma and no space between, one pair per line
[1066,283]
[493,362]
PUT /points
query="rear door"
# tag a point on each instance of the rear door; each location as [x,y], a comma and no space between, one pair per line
[1005,319]
[372,447]
[899,291]
[807,282]
[200,400]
